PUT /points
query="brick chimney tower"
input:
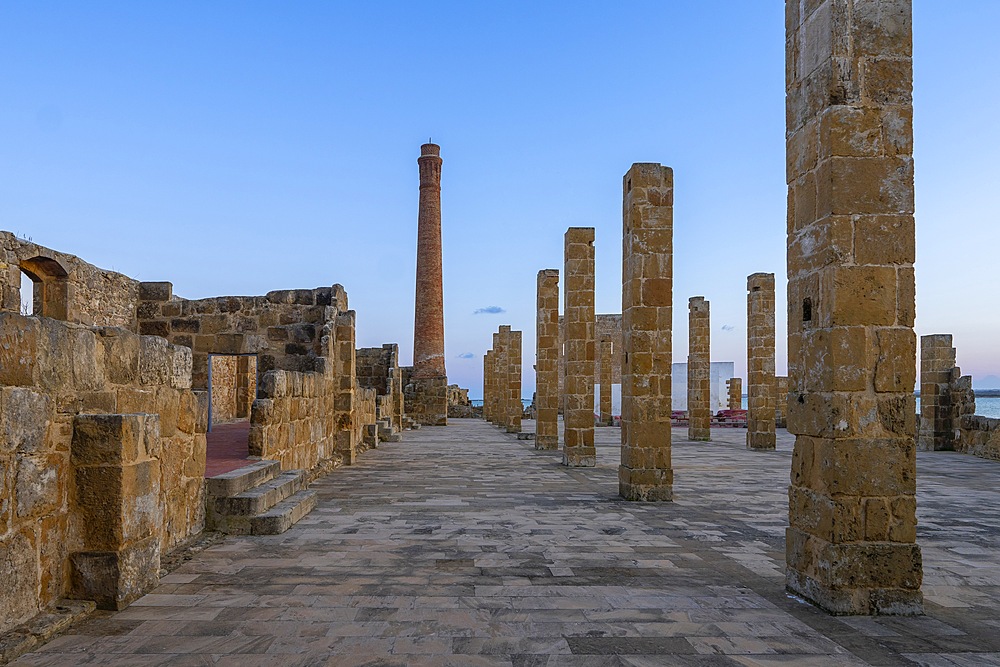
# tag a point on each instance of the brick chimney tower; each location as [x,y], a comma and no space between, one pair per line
[427,390]
[428,321]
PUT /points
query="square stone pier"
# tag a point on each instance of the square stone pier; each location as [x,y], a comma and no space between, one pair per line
[578,290]
[851,545]
[645,472]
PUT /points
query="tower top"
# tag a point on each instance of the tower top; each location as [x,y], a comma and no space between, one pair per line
[430,149]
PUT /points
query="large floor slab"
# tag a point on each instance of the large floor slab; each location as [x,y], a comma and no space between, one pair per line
[462,545]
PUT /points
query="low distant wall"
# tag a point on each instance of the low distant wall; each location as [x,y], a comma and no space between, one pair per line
[979,436]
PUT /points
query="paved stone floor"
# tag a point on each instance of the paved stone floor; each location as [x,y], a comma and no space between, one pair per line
[463,546]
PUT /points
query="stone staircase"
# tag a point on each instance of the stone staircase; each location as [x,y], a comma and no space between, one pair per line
[258,499]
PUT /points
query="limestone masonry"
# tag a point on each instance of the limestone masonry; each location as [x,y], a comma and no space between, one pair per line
[132,420]
[578,297]
[604,379]
[734,392]
[851,348]
[945,394]
[761,388]
[547,350]
[104,411]
[699,368]
[647,308]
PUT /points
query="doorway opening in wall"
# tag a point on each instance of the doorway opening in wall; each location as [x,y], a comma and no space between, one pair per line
[27,294]
[232,387]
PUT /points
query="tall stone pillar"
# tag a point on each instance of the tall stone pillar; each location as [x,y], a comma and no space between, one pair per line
[515,409]
[496,376]
[346,443]
[647,327]
[487,361]
[604,400]
[734,388]
[938,412]
[503,375]
[699,368]
[760,361]
[851,546]
[580,328]
[547,360]
[430,390]
[780,401]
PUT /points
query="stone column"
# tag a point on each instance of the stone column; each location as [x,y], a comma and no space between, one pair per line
[346,379]
[647,327]
[699,368]
[937,413]
[734,387]
[429,377]
[851,547]
[760,361]
[605,376]
[116,472]
[780,401]
[496,412]
[547,360]
[486,386]
[503,375]
[515,409]
[580,327]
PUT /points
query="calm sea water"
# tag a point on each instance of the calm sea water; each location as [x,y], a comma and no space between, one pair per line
[987,406]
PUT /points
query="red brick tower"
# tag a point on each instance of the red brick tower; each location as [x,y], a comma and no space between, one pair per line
[428,390]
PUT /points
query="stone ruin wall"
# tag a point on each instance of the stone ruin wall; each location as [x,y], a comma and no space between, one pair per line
[283,328]
[54,486]
[234,387]
[303,416]
[459,405]
[946,395]
[948,419]
[75,291]
[979,436]
[457,395]
[378,369]
[96,420]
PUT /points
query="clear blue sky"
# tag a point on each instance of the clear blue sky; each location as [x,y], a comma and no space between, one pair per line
[240,147]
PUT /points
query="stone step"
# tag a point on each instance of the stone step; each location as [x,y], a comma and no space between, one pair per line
[263,497]
[237,481]
[284,515]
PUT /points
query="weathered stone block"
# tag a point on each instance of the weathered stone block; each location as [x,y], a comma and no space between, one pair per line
[155,291]
[18,349]
[25,416]
[113,579]
[155,361]
[109,439]
[121,354]
[38,489]
[19,572]
[154,328]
